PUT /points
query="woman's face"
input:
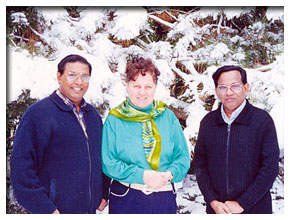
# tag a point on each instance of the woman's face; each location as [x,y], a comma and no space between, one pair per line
[141,91]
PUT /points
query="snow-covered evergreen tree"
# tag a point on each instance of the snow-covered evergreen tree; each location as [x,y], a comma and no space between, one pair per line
[187,44]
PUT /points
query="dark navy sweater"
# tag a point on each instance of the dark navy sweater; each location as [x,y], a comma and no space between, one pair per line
[53,164]
[237,162]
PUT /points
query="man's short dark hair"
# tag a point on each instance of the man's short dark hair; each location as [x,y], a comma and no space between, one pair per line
[227,68]
[72,59]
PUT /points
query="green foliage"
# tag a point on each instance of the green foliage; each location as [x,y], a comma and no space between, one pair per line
[14,112]
[19,31]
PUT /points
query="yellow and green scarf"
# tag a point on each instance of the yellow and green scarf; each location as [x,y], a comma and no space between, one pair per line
[151,138]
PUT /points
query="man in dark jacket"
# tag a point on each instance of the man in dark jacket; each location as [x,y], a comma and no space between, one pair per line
[56,158]
[237,153]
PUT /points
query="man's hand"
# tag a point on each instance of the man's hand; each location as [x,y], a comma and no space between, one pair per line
[219,207]
[154,179]
[234,206]
[56,212]
[103,205]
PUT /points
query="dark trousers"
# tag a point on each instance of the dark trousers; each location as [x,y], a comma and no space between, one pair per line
[124,200]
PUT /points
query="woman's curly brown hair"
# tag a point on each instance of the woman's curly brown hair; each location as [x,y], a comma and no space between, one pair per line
[140,65]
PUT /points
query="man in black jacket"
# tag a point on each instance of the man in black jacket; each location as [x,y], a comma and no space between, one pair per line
[237,153]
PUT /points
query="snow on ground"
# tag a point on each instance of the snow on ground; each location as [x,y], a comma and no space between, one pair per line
[190,199]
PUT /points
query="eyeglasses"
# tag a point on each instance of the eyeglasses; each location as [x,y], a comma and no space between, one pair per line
[72,76]
[236,87]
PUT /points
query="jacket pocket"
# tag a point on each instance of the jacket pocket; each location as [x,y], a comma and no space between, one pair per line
[52,189]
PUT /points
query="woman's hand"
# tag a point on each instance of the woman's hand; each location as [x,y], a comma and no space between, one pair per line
[155,179]
[167,175]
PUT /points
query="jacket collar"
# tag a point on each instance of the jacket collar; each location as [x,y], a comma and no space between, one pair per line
[243,118]
[60,103]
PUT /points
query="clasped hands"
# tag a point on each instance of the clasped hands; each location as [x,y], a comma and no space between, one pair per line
[155,179]
[228,207]
[151,178]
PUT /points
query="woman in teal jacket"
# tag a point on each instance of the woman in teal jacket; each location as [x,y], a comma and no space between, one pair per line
[143,147]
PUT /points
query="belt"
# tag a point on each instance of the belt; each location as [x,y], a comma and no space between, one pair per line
[146,189]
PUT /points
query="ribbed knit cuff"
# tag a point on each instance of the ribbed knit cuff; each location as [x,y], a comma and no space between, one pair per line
[139,175]
[172,171]
[210,197]
[246,205]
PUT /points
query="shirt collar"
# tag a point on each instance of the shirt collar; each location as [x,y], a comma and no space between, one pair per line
[234,115]
[69,102]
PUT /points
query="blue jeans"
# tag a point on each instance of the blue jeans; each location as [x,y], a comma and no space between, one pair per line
[131,201]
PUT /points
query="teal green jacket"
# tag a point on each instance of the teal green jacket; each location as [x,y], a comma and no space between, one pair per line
[123,157]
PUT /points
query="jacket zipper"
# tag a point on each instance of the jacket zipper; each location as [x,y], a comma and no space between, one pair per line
[90,176]
[89,156]
[227,159]
[90,170]
[90,165]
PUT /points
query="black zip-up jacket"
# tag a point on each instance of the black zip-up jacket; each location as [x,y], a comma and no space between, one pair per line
[237,162]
